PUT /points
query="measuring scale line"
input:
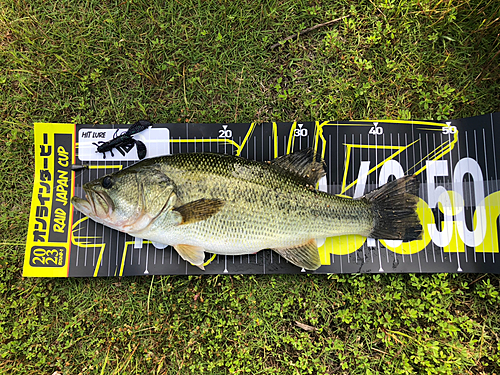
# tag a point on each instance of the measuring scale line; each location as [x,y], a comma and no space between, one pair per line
[407,158]
[457,246]
[487,194]
[495,163]
[459,267]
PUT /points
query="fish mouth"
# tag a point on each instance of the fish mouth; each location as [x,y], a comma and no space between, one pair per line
[97,204]
[82,205]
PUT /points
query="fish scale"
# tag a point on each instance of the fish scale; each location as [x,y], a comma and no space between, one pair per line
[264,207]
[230,205]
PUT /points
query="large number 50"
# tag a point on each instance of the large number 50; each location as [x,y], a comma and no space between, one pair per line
[438,194]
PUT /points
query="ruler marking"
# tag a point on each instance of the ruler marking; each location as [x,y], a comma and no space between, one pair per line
[427,196]
[346,166]
[329,187]
[146,271]
[361,159]
[452,177]
[470,195]
[495,163]
[487,194]
[399,161]
[95,228]
[406,167]
[353,178]
[86,252]
[479,182]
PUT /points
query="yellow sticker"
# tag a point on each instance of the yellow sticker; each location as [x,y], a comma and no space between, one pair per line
[49,230]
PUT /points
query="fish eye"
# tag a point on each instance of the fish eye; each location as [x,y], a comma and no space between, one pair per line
[107,182]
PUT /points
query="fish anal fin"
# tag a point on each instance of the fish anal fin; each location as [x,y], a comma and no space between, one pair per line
[199,210]
[304,256]
[305,163]
[193,254]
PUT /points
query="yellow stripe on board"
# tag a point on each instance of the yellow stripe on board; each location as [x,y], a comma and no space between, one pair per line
[238,147]
[43,209]
[445,151]
[275,139]
[431,154]
[210,260]
[124,254]
[87,244]
[249,133]
[291,138]
[125,249]
[99,260]
[323,149]
[328,123]
[346,167]
[437,153]
[317,130]
[117,166]
[217,140]
[406,122]
[392,156]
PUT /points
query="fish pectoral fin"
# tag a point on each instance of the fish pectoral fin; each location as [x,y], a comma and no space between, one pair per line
[193,254]
[199,210]
[159,245]
[304,256]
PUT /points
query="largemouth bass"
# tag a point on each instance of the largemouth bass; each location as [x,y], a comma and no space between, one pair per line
[229,205]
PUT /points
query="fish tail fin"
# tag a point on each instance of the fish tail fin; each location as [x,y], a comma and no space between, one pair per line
[394,206]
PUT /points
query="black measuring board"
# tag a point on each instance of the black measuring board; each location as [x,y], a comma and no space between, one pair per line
[456,162]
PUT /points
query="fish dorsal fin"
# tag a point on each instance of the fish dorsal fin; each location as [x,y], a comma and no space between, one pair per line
[305,163]
[193,254]
[304,256]
[199,210]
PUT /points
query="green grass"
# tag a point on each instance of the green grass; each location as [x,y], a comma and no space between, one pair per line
[208,61]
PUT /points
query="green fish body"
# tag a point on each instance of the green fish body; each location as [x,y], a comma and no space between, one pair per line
[229,205]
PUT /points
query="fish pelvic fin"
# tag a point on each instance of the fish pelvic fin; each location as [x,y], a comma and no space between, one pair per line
[305,163]
[199,210]
[304,256]
[394,209]
[159,245]
[193,254]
